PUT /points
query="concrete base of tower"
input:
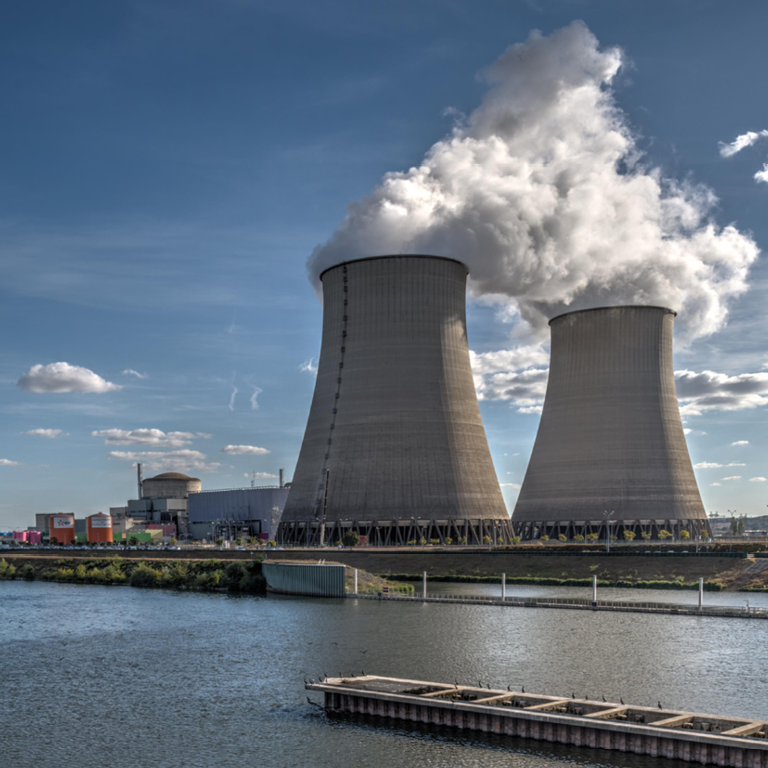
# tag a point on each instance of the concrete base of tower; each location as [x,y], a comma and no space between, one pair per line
[618,530]
[394,533]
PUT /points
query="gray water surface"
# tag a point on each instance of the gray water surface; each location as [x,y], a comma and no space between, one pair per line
[121,677]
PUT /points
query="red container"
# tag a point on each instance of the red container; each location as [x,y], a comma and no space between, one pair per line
[62,528]
[99,528]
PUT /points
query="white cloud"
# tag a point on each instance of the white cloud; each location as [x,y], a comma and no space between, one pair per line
[542,193]
[510,485]
[689,431]
[131,372]
[145,437]
[758,479]
[741,142]
[254,401]
[8,463]
[63,377]
[715,483]
[711,391]
[184,460]
[740,442]
[50,434]
[231,405]
[244,450]
[762,175]
[259,475]
[309,366]
[732,477]
[509,374]
[715,465]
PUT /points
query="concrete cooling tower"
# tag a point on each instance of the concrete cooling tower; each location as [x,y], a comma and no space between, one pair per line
[610,449]
[395,449]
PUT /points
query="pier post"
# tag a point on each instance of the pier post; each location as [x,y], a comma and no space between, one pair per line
[355,580]
[424,584]
[701,593]
[594,591]
[503,586]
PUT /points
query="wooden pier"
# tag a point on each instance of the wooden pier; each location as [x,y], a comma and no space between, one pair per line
[689,736]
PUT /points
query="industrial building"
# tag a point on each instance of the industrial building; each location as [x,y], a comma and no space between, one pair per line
[394,448]
[162,500]
[236,513]
[610,455]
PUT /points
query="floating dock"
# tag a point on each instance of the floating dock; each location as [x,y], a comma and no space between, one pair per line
[688,736]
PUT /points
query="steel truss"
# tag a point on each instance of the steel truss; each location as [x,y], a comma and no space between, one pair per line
[397,533]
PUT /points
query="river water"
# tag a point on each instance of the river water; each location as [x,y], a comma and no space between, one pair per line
[128,678]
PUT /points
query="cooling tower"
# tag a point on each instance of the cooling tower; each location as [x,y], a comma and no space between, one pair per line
[610,438]
[394,449]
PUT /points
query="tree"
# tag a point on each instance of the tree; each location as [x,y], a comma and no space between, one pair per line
[629,535]
[133,540]
[350,539]
[740,528]
[734,526]
[173,542]
[684,535]
[664,534]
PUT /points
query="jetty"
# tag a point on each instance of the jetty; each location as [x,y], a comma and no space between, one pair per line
[659,732]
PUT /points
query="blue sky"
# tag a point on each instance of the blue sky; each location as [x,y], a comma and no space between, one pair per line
[169,167]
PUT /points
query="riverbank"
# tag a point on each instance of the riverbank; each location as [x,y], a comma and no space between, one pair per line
[670,571]
[207,575]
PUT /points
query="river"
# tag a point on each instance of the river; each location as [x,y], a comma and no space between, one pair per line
[128,678]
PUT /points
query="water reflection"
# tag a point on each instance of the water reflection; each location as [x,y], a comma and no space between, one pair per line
[98,676]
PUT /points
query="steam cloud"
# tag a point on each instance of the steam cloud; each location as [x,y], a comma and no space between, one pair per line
[542,193]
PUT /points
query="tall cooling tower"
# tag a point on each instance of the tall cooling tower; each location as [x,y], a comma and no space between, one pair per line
[610,449]
[395,449]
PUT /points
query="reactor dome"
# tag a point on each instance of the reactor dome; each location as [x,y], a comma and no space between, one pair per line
[170,485]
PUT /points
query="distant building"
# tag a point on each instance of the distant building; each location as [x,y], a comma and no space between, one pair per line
[236,512]
[163,501]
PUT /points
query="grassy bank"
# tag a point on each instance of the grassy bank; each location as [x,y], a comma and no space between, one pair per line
[709,586]
[668,572]
[205,576]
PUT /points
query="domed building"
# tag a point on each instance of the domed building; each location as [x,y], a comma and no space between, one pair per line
[170,485]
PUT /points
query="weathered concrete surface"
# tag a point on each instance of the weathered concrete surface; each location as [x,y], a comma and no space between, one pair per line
[610,437]
[394,416]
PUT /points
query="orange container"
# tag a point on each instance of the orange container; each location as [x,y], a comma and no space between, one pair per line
[62,528]
[99,528]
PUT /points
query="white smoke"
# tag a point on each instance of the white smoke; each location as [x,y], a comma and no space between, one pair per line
[742,142]
[541,192]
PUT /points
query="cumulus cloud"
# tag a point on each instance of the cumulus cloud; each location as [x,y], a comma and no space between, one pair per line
[762,175]
[513,374]
[145,437]
[309,366]
[63,377]
[758,479]
[8,463]
[711,391]
[50,434]
[184,460]
[543,193]
[732,477]
[740,442]
[741,142]
[131,372]
[244,450]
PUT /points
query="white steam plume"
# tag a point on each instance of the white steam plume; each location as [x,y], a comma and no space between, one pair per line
[541,192]
[742,142]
